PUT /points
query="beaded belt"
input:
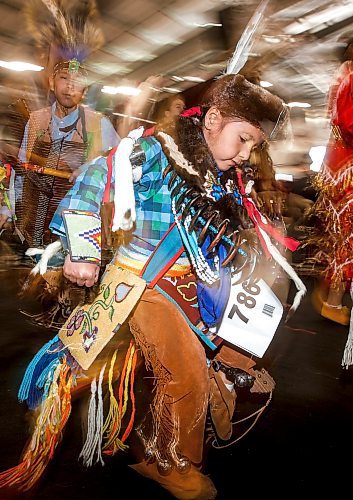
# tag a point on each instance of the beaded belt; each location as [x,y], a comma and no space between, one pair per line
[136,267]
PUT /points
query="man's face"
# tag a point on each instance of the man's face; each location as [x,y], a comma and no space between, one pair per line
[68,88]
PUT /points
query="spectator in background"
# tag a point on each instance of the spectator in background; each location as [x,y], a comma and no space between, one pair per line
[168,112]
[65,135]
[139,108]
[61,137]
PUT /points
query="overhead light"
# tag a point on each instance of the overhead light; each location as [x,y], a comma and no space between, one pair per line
[207,25]
[195,79]
[120,90]
[173,90]
[299,105]
[156,89]
[336,13]
[284,177]
[20,66]
[265,84]
[271,39]
[138,118]
[177,78]
[317,154]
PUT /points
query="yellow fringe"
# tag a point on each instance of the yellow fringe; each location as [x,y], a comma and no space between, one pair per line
[112,423]
[117,410]
[127,379]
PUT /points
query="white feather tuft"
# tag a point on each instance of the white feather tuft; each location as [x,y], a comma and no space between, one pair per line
[347,359]
[47,254]
[124,197]
[31,252]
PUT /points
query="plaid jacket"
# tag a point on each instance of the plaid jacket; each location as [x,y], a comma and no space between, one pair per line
[153,202]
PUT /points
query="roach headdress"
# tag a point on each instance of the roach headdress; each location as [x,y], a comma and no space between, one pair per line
[64,31]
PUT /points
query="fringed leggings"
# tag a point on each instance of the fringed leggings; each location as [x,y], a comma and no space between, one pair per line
[178,362]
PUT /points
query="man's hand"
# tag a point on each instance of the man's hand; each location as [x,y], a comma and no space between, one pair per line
[82,273]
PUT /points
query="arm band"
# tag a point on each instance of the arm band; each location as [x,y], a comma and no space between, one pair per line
[83,231]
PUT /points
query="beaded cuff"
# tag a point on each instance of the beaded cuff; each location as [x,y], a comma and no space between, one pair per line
[83,232]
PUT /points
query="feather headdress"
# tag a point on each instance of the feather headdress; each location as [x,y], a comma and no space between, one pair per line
[65,30]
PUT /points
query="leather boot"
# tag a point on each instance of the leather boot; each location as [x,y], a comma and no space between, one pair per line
[192,485]
[222,405]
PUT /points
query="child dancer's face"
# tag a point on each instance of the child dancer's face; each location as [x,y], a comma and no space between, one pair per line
[230,142]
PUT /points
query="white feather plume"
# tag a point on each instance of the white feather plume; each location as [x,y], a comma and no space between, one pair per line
[246,41]
[124,196]
[176,154]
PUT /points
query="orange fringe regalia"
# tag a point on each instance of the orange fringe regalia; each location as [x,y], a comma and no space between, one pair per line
[332,213]
[51,380]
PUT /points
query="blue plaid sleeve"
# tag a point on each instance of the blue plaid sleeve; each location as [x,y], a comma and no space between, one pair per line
[153,204]
[152,195]
[86,194]
[152,180]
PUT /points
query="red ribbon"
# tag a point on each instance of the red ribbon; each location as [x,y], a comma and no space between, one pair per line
[149,131]
[256,217]
[8,169]
[106,194]
[195,111]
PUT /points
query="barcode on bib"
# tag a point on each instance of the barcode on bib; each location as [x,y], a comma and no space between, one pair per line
[268,310]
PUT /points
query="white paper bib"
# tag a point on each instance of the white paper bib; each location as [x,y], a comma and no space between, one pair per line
[251,317]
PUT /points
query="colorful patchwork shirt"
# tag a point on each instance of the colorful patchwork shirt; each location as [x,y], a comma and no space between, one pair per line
[153,204]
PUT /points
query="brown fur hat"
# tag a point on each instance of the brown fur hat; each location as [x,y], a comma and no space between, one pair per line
[236,97]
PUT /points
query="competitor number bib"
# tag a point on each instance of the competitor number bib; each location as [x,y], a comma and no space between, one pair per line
[251,317]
